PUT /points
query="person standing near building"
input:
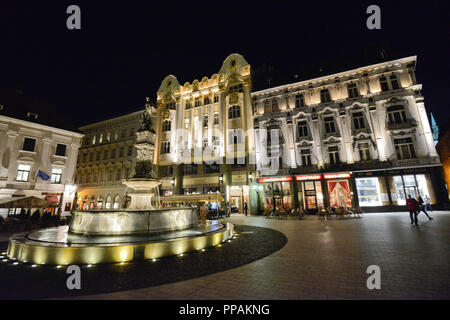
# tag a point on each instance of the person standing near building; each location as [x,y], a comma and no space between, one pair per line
[245,208]
[422,208]
[413,206]
[428,203]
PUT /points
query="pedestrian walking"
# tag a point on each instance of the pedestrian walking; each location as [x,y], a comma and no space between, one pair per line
[422,208]
[413,207]
[245,208]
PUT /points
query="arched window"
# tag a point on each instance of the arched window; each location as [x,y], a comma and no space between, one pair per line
[92,203]
[116,204]
[166,126]
[100,202]
[234,112]
[108,202]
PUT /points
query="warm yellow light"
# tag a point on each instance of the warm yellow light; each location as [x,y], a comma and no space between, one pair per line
[34,266]
[58,267]
[15,263]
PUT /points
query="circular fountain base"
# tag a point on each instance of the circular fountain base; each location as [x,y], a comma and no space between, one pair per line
[58,246]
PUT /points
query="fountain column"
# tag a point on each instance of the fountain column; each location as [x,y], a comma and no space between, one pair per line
[144,181]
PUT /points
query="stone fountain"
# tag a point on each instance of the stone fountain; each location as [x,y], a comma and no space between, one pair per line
[141,231]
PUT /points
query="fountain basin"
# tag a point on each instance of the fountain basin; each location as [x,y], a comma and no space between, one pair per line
[114,222]
[58,246]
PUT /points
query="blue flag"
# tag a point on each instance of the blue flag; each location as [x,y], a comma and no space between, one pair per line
[42,175]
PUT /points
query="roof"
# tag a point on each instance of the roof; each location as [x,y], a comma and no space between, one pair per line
[19,106]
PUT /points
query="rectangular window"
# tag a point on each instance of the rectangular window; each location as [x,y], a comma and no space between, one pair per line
[333,153]
[216,98]
[364,152]
[325,96]
[186,123]
[121,152]
[394,82]
[188,104]
[211,168]
[306,157]
[198,103]
[384,84]
[216,118]
[60,150]
[190,169]
[206,101]
[167,171]
[131,132]
[329,125]
[23,172]
[236,88]
[299,101]
[404,148]
[56,175]
[358,120]
[29,144]
[205,120]
[98,156]
[302,129]
[352,90]
[396,114]
[369,194]
[130,151]
[165,147]
[171,105]
[105,154]
[113,153]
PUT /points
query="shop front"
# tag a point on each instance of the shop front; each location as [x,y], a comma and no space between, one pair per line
[387,190]
[277,193]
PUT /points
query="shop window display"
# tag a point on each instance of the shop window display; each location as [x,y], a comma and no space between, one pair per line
[368,192]
[339,193]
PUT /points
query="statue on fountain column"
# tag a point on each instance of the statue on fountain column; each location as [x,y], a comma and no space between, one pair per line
[147,124]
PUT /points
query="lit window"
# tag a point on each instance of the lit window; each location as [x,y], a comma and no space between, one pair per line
[206,100]
[368,192]
[23,172]
[56,175]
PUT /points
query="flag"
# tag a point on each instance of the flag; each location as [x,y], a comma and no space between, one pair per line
[42,175]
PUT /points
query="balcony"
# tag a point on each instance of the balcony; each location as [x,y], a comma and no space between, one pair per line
[406,124]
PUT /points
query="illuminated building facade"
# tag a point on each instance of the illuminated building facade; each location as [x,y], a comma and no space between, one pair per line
[29,145]
[203,139]
[359,138]
[107,156]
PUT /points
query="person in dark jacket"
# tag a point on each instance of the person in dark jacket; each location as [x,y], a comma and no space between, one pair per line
[422,208]
[413,207]
[245,208]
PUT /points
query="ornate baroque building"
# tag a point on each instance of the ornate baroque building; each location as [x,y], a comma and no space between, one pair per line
[201,148]
[356,138]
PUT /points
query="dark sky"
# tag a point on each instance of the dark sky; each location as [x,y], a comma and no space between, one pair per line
[126,48]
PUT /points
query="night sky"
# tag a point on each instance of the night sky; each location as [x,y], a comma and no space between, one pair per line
[126,48]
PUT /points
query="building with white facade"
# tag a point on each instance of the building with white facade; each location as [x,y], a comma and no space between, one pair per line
[355,138]
[27,145]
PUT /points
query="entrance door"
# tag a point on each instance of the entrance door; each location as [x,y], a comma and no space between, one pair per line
[310,196]
[235,203]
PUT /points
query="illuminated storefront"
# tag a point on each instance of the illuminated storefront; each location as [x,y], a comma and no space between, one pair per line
[277,193]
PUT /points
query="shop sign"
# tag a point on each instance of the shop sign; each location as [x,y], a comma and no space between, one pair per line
[337,175]
[308,177]
[274,179]
[239,178]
